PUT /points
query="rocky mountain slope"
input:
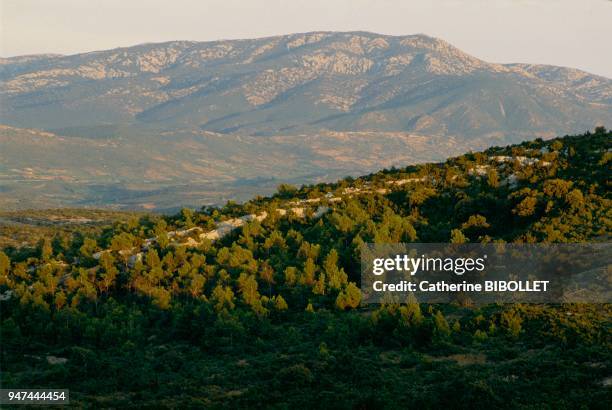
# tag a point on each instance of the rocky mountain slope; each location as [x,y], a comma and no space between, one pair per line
[295,107]
[302,83]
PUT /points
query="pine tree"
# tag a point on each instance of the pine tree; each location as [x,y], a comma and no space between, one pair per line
[290,275]
[411,313]
[493,178]
[336,276]
[248,288]
[279,303]
[5,264]
[441,325]
[309,272]
[458,237]
[223,298]
[319,286]
[45,250]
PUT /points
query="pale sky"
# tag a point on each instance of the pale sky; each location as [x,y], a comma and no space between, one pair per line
[573,33]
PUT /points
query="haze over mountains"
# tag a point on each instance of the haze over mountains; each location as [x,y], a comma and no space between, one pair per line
[158,125]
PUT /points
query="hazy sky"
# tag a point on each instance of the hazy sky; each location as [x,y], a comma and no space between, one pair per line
[575,33]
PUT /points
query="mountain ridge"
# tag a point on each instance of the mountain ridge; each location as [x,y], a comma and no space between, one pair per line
[295,108]
[330,79]
[35,56]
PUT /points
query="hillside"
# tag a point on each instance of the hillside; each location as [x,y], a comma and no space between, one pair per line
[26,228]
[199,122]
[138,170]
[247,305]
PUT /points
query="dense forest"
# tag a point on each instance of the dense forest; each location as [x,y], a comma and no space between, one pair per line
[258,304]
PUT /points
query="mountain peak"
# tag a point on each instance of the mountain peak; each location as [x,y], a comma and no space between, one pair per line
[303,82]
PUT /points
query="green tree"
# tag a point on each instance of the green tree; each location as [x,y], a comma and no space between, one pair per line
[309,272]
[350,297]
[458,237]
[5,264]
[109,273]
[290,275]
[45,250]
[336,277]
[493,178]
[286,191]
[88,248]
[187,217]
[575,199]
[512,321]
[411,313]
[441,325]
[222,298]
[248,288]
[527,206]
[279,303]
[122,241]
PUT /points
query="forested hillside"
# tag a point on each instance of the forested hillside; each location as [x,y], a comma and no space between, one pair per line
[258,304]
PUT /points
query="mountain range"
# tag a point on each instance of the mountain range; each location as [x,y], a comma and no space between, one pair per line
[156,125]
